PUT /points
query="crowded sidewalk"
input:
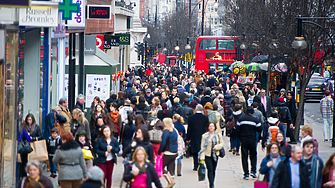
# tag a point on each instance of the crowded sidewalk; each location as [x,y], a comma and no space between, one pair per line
[229,169]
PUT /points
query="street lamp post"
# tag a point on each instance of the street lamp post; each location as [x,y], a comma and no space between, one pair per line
[202,17]
[243,47]
[300,43]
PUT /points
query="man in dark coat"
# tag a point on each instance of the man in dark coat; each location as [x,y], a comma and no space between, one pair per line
[185,111]
[80,103]
[207,98]
[291,169]
[196,128]
[266,101]
[211,81]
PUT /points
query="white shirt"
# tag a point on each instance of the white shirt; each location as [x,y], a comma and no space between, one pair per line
[227,86]
[109,157]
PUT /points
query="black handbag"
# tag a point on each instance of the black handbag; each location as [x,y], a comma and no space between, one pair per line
[24,147]
[222,153]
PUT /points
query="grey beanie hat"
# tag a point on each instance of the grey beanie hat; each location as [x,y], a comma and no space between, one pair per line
[282,90]
[95,174]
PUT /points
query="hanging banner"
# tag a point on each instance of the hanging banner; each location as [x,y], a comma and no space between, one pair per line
[97,85]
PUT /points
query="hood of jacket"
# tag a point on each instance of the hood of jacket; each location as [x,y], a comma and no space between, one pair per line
[69,145]
[141,106]
[151,118]
[237,113]
[272,121]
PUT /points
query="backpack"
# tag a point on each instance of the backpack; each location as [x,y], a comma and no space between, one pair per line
[272,132]
[231,124]
[316,148]
[181,144]
[154,134]
[129,94]
[59,126]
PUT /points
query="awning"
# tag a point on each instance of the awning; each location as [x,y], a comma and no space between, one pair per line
[99,58]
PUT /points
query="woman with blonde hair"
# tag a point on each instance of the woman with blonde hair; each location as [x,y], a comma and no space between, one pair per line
[155,105]
[178,122]
[140,172]
[241,99]
[169,146]
[79,122]
[307,134]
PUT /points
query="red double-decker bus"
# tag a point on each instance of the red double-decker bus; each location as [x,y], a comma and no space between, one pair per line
[215,52]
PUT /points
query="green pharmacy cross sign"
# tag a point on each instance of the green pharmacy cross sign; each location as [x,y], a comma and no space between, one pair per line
[67,7]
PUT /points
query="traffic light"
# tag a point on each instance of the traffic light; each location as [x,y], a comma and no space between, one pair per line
[139,49]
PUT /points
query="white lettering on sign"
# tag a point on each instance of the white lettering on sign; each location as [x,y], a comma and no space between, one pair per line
[42,17]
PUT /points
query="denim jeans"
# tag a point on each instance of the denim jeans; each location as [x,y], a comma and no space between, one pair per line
[179,159]
[330,124]
[234,141]
[285,129]
[53,167]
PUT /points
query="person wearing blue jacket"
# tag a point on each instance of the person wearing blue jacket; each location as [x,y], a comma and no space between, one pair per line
[106,147]
[271,161]
[169,146]
[50,120]
[178,122]
[313,163]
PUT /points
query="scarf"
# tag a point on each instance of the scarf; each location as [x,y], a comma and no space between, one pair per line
[38,178]
[213,144]
[141,169]
[83,142]
[30,129]
[115,115]
[271,171]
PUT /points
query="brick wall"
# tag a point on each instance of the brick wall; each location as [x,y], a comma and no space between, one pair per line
[99,26]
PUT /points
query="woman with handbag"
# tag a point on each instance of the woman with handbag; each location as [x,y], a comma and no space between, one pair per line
[72,166]
[271,161]
[79,122]
[142,139]
[113,120]
[25,138]
[87,148]
[211,144]
[169,146]
[234,140]
[107,147]
[140,172]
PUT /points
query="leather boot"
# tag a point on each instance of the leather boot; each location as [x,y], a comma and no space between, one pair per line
[178,169]
[167,180]
[171,180]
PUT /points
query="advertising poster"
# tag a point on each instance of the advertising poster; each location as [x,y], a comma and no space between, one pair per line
[97,85]
[219,56]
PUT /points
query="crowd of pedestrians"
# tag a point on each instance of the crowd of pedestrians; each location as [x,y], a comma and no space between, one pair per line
[159,111]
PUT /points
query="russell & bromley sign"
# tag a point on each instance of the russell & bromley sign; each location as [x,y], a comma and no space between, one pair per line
[41,16]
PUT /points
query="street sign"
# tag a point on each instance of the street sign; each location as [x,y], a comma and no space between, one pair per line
[99,12]
[15,3]
[67,7]
[124,39]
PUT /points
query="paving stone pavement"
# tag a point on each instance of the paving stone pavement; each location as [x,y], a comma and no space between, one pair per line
[229,171]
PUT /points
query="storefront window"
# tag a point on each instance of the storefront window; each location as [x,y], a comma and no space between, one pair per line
[10,109]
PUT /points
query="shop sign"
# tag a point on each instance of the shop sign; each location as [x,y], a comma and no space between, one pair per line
[78,19]
[99,12]
[110,41]
[59,31]
[41,16]
[15,3]
[100,42]
[90,46]
[124,39]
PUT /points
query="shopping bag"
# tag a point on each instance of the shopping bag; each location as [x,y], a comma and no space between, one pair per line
[159,166]
[201,171]
[87,154]
[40,151]
[261,184]
[8,150]
[120,151]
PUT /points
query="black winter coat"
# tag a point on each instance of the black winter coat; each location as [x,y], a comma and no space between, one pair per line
[185,112]
[142,109]
[196,128]
[161,116]
[37,134]
[149,170]
[206,99]
[146,145]
[91,184]
[282,177]
[126,134]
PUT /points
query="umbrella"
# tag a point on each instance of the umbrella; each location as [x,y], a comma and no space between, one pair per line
[253,67]
[281,67]
[259,58]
